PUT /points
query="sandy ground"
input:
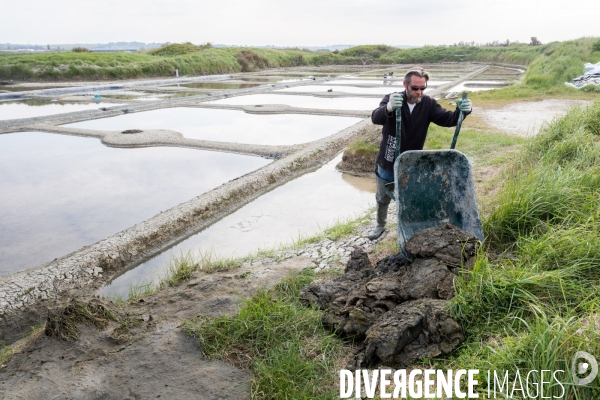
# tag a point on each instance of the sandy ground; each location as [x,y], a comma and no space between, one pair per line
[157,360]
[526,118]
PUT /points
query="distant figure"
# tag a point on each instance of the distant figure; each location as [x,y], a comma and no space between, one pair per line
[126,110]
[330,90]
[104,108]
[384,76]
[418,111]
[391,73]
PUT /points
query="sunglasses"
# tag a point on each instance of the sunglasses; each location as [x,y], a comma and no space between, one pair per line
[415,88]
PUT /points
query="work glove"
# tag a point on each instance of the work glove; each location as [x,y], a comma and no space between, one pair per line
[395,102]
[464,106]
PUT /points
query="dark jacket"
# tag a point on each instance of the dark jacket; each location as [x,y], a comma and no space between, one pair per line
[414,127]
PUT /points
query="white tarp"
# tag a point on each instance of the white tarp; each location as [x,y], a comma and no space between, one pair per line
[590,77]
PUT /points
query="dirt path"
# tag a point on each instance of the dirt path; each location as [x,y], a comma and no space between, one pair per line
[525,118]
[152,360]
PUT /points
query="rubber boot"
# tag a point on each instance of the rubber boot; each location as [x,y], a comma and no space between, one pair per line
[382,211]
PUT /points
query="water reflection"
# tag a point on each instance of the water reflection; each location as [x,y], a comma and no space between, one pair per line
[228,125]
[259,79]
[475,86]
[385,82]
[219,85]
[40,108]
[302,207]
[342,103]
[11,88]
[59,193]
[347,89]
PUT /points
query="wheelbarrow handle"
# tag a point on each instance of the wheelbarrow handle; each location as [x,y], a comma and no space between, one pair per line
[389,187]
[461,117]
[398,131]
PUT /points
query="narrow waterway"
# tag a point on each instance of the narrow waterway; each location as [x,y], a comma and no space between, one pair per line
[298,208]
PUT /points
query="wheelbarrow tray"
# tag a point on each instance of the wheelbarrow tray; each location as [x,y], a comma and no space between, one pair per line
[434,188]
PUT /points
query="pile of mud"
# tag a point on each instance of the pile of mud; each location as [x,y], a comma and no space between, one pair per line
[397,310]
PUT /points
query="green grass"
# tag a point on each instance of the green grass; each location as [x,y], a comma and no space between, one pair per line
[282,342]
[531,308]
[477,145]
[155,63]
[550,64]
[363,146]
[177,49]
[6,352]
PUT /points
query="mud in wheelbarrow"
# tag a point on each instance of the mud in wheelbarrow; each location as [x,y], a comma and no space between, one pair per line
[434,188]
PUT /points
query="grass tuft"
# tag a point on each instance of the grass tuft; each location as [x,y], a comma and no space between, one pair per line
[285,345]
[62,323]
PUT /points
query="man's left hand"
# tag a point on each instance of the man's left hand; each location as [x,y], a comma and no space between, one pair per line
[464,106]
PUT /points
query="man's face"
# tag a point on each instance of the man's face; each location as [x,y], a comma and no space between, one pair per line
[415,96]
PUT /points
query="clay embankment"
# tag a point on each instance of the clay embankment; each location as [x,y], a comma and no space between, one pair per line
[25,295]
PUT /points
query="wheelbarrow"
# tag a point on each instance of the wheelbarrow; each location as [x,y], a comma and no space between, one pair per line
[432,188]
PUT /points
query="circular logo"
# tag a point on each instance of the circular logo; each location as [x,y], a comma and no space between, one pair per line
[580,367]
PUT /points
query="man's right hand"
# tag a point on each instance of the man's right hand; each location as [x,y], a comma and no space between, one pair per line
[395,102]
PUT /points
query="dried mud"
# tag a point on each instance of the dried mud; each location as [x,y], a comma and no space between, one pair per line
[146,355]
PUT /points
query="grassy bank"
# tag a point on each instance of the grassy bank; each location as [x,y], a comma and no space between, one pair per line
[533,309]
[551,64]
[284,343]
[155,63]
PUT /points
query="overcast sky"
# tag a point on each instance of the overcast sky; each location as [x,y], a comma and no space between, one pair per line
[296,23]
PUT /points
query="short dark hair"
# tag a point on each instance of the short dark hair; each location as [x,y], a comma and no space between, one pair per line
[416,71]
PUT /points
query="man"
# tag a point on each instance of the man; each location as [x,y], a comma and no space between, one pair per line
[418,111]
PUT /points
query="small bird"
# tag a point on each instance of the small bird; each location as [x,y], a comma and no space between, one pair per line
[104,108]
[330,90]
[384,76]
[391,73]
[125,111]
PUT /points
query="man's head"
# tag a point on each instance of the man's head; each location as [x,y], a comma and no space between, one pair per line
[415,82]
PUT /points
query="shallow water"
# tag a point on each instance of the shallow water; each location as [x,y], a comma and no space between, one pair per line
[27,88]
[345,103]
[227,125]
[37,108]
[357,81]
[385,82]
[59,193]
[218,85]
[324,89]
[300,207]
[260,79]
[475,86]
